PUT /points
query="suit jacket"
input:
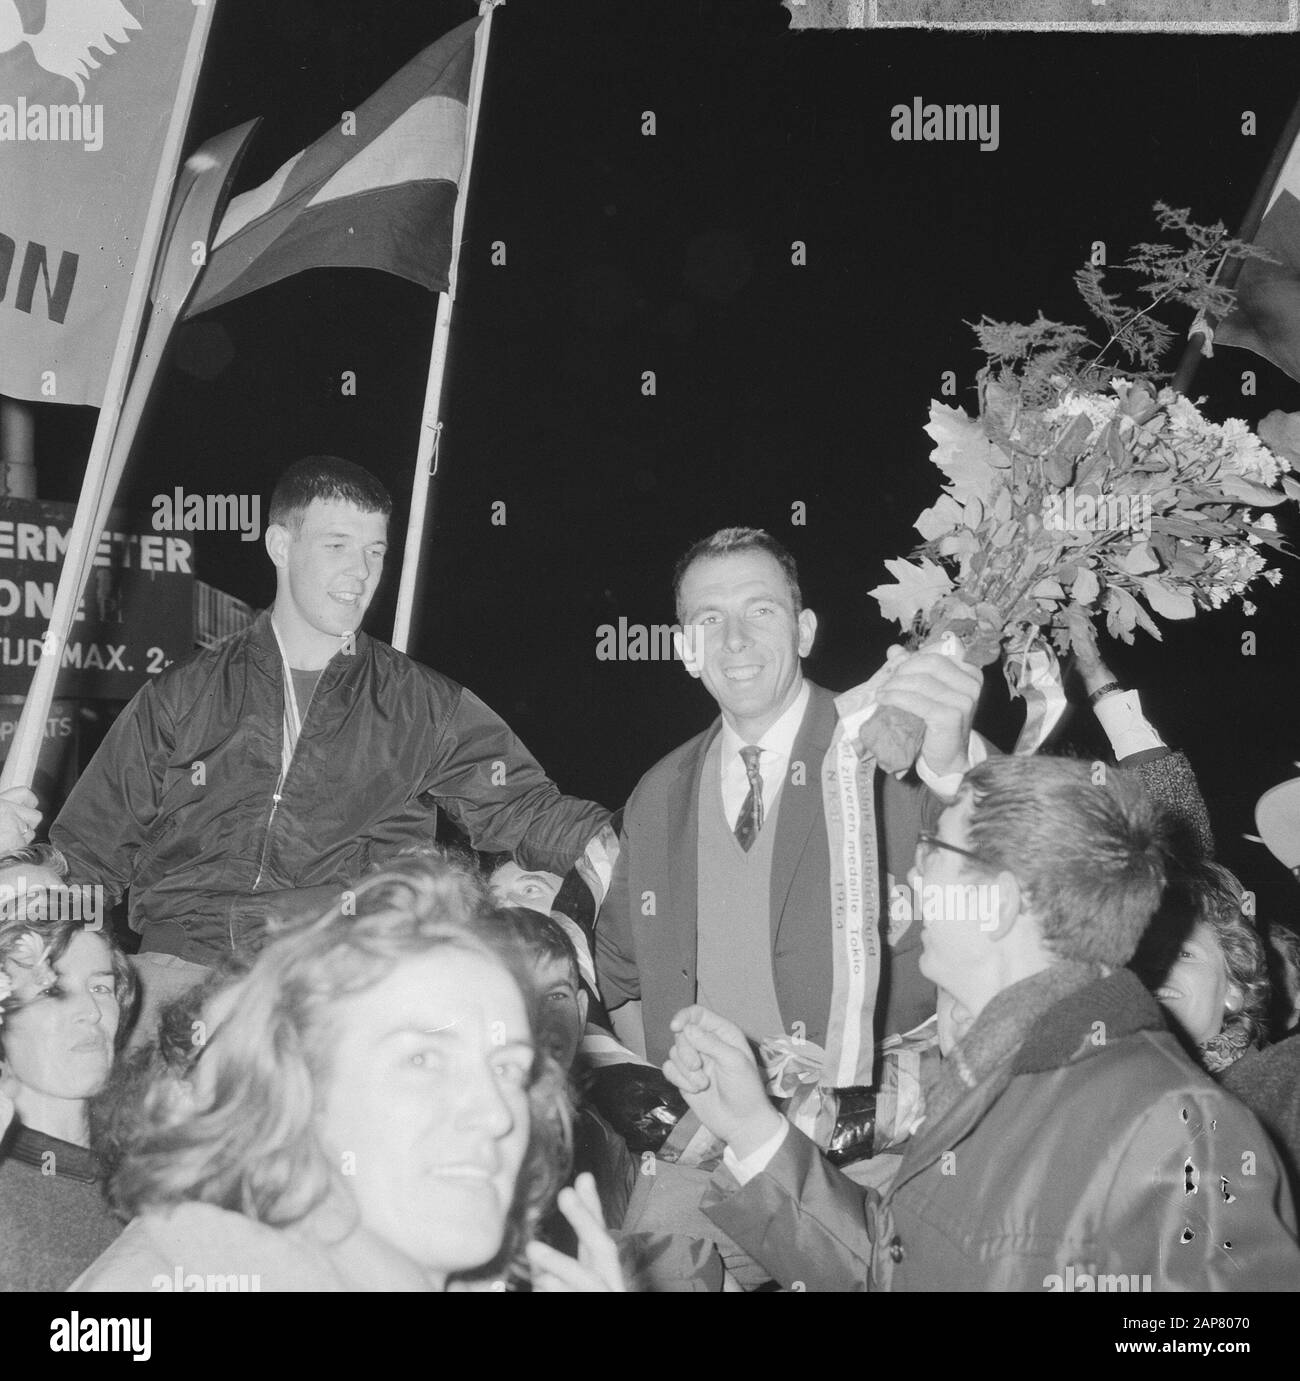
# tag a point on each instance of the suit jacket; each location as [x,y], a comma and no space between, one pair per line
[646,932]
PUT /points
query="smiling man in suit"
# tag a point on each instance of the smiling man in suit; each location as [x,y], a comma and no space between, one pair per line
[723,891]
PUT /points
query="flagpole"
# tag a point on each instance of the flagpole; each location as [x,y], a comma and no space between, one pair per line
[1250,223]
[102,475]
[430,424]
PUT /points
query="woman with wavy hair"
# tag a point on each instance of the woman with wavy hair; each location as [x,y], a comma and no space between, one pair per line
[369,1111]
[66,997]
[1206,965]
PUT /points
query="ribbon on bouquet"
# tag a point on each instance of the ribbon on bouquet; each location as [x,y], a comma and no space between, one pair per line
[907,1065]
[1034,674]
[794,1070]
[847,1123]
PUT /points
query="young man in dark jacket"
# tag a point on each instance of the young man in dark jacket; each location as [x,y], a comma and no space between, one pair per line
[275,769]
[1069,1144]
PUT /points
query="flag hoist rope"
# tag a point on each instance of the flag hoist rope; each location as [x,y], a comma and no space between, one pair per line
[106,460]
[430,425]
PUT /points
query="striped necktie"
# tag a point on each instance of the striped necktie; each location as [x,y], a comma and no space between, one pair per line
[750,820]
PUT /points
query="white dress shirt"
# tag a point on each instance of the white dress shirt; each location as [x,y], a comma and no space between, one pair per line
[774,763]
[777,745]
[1126,726]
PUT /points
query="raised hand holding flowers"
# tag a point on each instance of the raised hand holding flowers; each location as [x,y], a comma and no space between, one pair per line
[1085,489]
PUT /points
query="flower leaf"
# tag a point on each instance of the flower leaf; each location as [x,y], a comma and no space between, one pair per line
[1280,432]
[1260,495]
[1086,586]
[1167,602]
[963,452]
[1137,560]
[918,589]
[941,519]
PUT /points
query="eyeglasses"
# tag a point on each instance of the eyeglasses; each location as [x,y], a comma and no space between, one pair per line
[927,841]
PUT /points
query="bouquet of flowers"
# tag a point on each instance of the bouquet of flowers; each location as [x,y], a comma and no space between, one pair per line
[1084,487]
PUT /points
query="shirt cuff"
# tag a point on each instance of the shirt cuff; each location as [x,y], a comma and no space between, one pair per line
[947,786]
[1127,728]
[756,1161]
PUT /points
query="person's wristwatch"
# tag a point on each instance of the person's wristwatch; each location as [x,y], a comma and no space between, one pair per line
[1105,689]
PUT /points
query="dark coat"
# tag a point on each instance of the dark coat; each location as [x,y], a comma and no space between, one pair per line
[1268,1082]
[1100,1158]
[179,802]
[652,957]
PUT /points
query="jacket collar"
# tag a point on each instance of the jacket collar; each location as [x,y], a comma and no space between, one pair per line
[1064,1035]
[801,806]
[265,649]
[70,1162]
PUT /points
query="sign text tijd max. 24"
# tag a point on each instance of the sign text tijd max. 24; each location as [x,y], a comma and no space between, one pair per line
[136,615]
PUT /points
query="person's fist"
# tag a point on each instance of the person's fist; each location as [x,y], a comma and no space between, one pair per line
[942,692]
[20,818]
[713,1065]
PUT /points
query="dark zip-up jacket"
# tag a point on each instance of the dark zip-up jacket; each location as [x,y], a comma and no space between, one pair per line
[179,804]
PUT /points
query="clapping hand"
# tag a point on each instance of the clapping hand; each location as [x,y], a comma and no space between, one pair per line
[596,1270]
[713,1065]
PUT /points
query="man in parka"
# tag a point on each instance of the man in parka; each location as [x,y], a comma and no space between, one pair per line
[1069,1143]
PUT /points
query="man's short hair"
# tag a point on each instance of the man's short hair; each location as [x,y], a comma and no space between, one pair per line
[330,479]
[1092,858]
[730,541]
[538,938]
[489,862]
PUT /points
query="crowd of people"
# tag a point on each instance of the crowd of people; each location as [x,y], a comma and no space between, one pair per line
[785,1021]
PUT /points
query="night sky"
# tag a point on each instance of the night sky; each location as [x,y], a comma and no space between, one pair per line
[775,384]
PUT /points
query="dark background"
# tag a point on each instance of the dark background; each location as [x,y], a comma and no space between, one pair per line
[776,384]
